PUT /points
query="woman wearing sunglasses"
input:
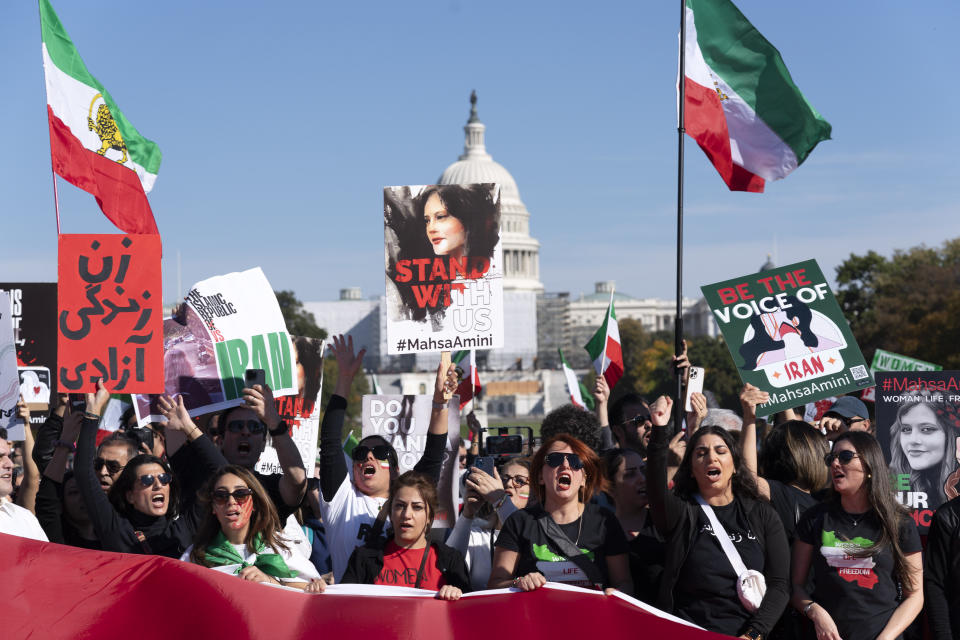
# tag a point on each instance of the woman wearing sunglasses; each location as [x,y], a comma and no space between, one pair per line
[563,538]
[864,549]
[713,490]
[409,558]
[241,534]
[139,512]
[625,470]
[488,502]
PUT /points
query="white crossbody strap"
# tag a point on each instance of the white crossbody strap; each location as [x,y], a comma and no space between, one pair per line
[738,567]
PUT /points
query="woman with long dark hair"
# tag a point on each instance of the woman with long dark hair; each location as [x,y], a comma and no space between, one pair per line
[564,537]
[409,558]
[864,549]
[241,534]
[713,490]
[923,445]
[625,470]
[435,237]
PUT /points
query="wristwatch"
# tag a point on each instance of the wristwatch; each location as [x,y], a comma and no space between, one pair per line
[280,430]
[753,634]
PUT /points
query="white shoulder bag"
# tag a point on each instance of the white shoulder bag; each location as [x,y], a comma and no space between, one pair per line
[751,585]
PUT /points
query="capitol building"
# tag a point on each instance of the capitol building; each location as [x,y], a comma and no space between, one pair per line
[522,378]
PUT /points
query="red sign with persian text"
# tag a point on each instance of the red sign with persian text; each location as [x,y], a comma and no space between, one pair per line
[109,313]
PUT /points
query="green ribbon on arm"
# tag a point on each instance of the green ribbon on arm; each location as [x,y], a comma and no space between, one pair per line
[221,553]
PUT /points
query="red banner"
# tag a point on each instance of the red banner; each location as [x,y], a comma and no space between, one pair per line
[52,591]
[109,313]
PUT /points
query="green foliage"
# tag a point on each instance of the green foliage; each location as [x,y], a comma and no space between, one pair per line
[299,321]
[646,364]
[908,303]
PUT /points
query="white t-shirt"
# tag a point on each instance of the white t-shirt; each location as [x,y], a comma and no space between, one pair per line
[347,519]
[295,562]
[18,521]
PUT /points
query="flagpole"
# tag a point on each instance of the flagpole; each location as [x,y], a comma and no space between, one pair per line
[473,376]
[56,199]
[678,326]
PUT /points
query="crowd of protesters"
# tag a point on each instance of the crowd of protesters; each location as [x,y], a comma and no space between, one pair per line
[755,529]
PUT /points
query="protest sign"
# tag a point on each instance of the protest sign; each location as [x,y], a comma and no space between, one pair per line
[788,336]
[34,311]
[227,324]
[9,378]
[404,421]
[918,427]
[301,411]
[444,268]
[888,361]
[109,313]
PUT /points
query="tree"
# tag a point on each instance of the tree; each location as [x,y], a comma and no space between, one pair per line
[908,303]
[300,322]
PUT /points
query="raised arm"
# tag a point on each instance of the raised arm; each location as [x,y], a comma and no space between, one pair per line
[333,468]
[664,506]
[106,521]
[49,433]
[27,495]
[750,397]
[601,401]
[293,484]
[431,461]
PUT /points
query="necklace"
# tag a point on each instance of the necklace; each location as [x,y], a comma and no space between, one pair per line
[579,530]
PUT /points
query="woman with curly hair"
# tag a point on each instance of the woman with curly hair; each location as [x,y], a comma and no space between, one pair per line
[564,537]
[715,497]
[241,534]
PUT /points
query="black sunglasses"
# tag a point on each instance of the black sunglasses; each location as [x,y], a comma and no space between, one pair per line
[556,458]
[222,496]
[380,452]
[147,480]
[845,457]
[518,481]
[113,467]
[253,426]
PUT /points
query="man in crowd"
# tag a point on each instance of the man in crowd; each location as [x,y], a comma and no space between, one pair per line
[846,414]
[14,520]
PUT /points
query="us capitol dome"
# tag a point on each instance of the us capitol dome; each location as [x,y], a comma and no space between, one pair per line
[521,252]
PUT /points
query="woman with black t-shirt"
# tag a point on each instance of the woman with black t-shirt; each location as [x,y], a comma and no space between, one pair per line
[864,549]
[626,470]
[699,582]
[563,538]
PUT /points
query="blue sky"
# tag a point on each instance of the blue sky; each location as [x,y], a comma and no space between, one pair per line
[281,122]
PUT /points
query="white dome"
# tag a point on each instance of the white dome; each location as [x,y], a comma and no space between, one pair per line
[521,252]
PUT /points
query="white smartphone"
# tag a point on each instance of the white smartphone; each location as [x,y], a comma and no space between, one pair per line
[694,385]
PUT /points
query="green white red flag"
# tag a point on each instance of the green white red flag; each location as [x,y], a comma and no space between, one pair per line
[579,394]
[469,386]
[604,348]
[92,144]
[741,105]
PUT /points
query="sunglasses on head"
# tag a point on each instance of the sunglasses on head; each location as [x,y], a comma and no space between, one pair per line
[113,467]
[380,452]
[845,457]
[253,426]
[147,480]
[556,458]
[222,496]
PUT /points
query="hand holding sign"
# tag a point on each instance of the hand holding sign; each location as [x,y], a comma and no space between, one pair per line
[96,402]
[447,379]
[23,411]
[750,397]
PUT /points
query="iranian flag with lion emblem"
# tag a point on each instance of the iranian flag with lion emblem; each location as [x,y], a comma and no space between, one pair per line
[92,144]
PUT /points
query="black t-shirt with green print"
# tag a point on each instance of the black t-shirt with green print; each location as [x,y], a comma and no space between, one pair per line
[860,593]
[600,536]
